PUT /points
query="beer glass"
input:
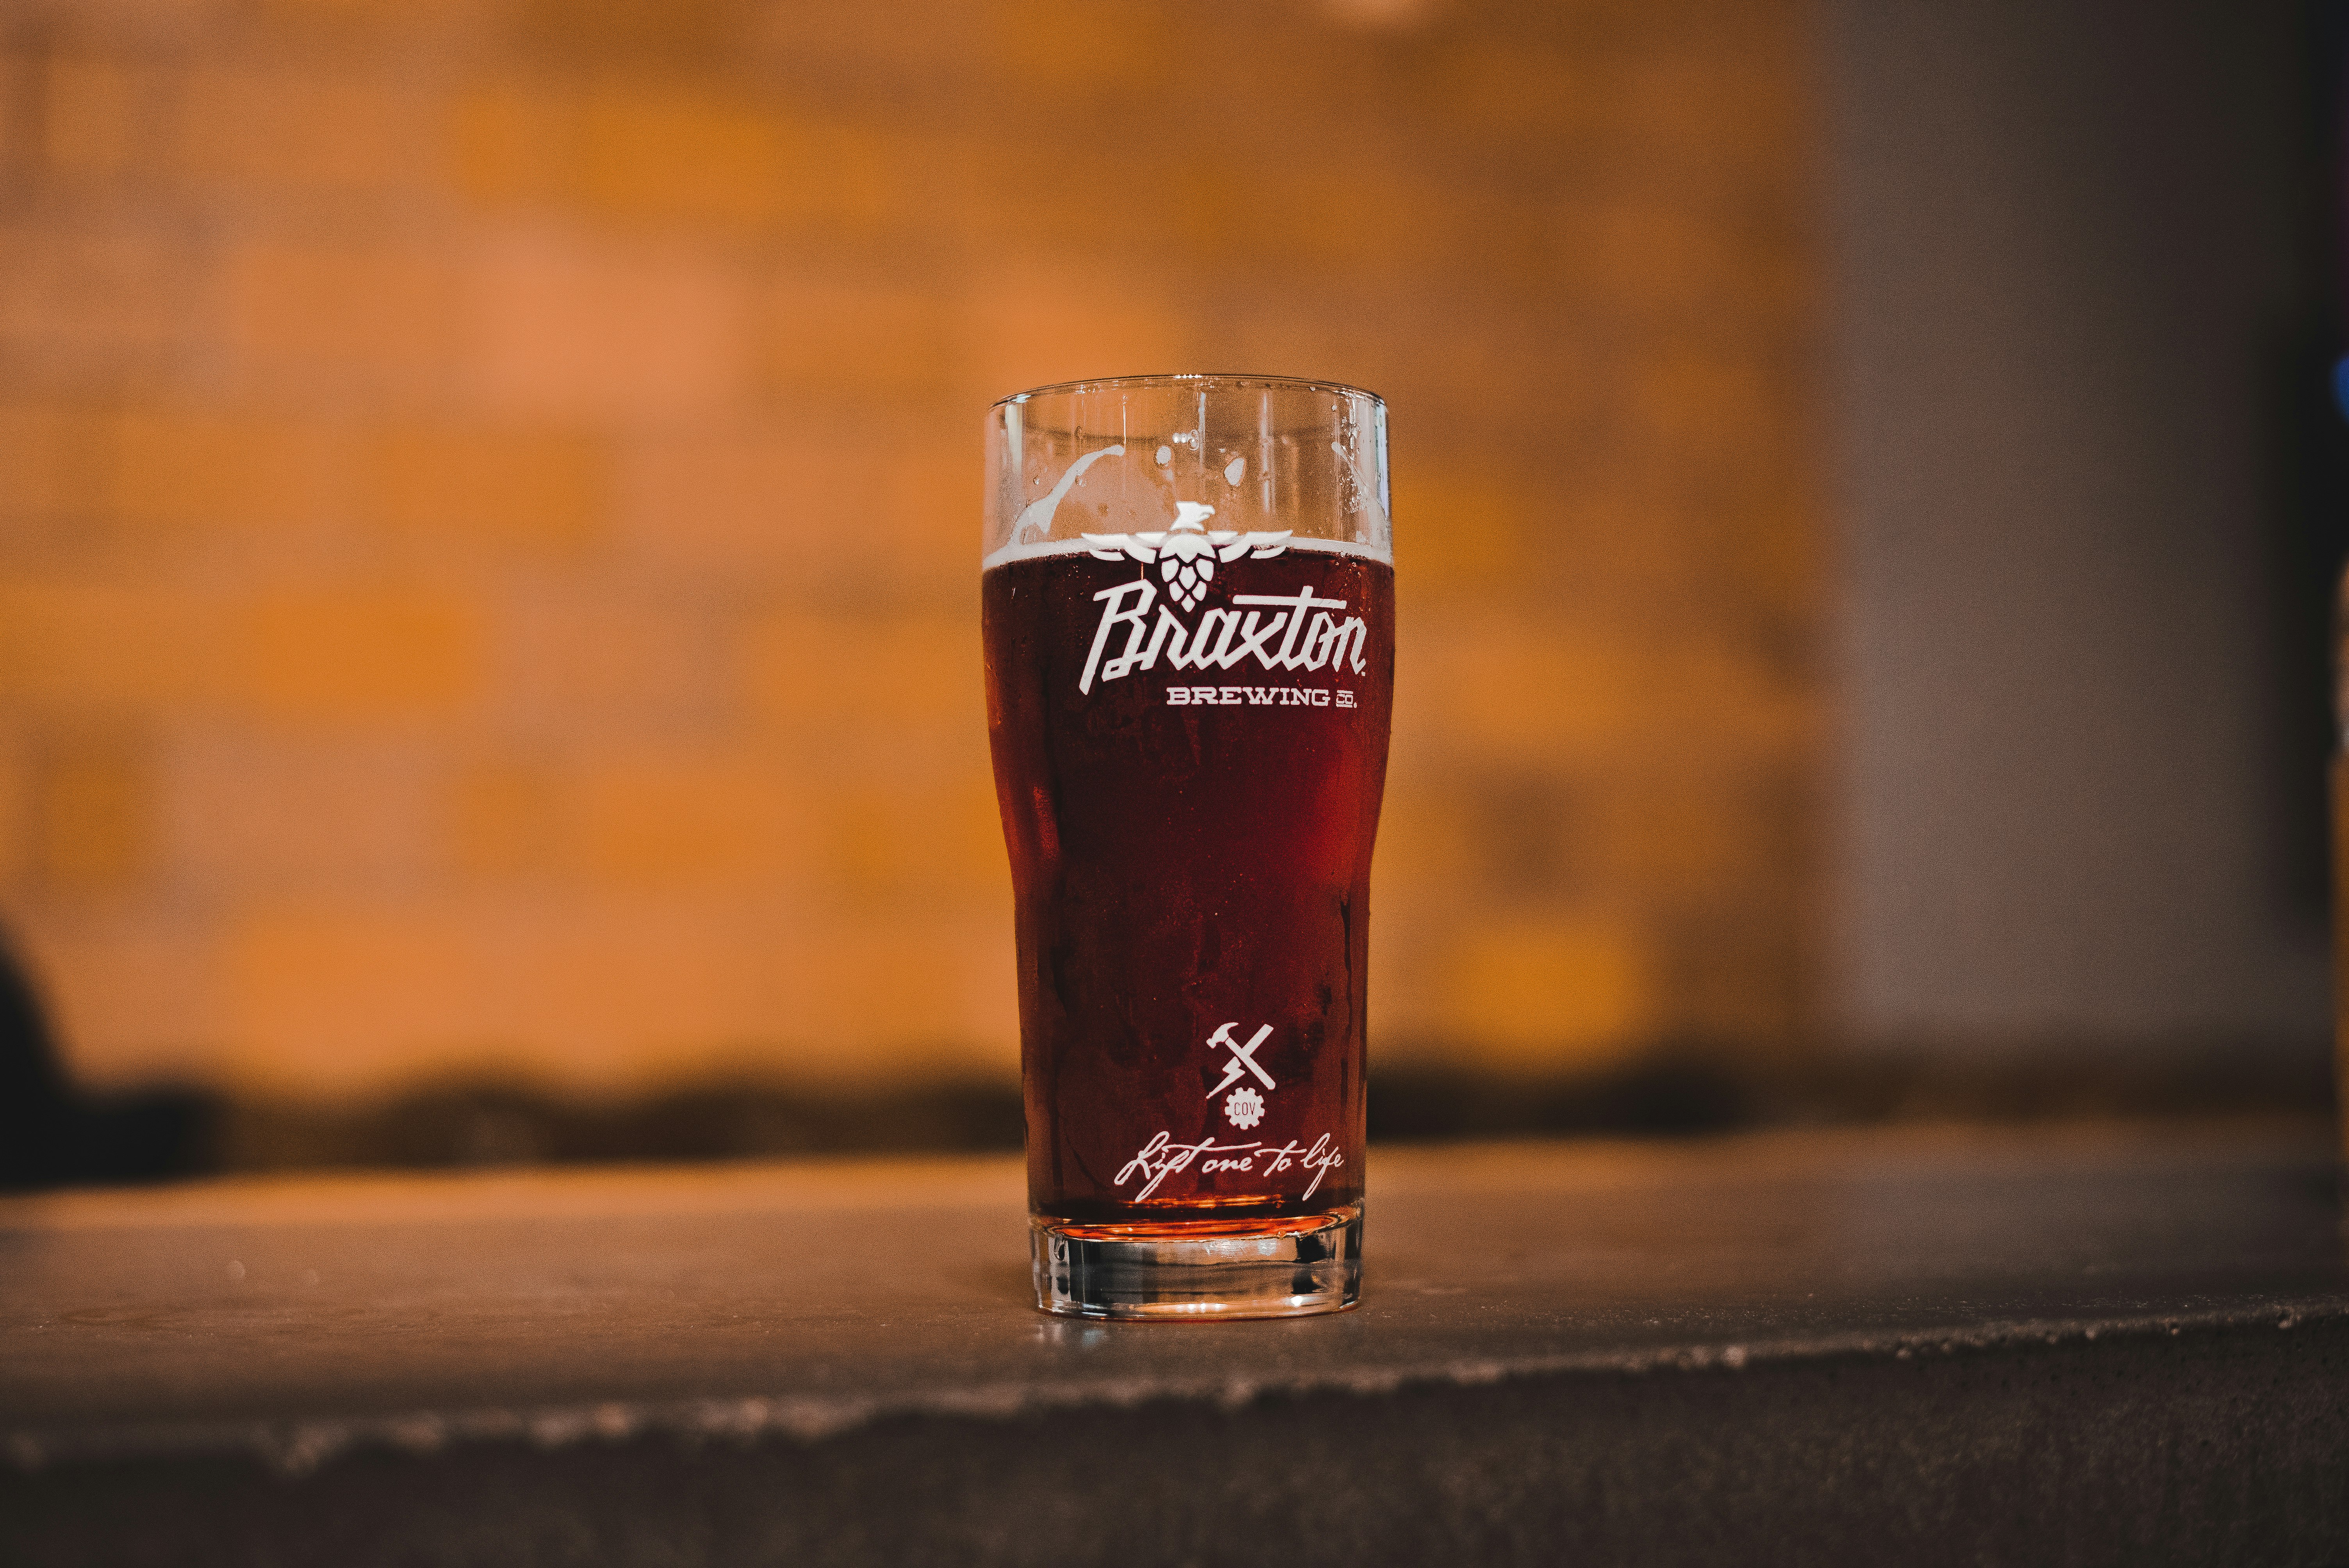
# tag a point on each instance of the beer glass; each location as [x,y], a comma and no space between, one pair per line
[1188,592]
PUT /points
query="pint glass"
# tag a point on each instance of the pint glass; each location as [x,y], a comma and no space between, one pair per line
[1188,596]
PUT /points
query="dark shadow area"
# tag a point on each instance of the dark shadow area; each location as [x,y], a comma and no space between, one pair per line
[1690,1091]
[1672,1093]
[54,1134]
[490,1123]
[51,1134]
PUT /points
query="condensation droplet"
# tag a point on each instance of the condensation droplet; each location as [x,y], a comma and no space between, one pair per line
[236,1269]
[1165,456]
[1234,469]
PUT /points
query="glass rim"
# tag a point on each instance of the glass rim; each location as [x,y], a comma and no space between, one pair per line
[1177,377]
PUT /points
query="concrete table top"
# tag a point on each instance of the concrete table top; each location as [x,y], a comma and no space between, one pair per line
[2093,1344]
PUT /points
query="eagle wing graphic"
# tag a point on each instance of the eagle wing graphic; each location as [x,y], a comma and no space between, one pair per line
[1227,545]
[1232,546]
[1141,547]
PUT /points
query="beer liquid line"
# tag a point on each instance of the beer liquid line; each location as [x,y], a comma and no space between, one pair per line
[1189,668]
[1180,877]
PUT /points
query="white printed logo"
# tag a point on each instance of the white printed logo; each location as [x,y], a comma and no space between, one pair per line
[1280,638]
[1187,553]
[1162,1156]
[1244,1106]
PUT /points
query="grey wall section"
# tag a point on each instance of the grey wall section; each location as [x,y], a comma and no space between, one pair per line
[2065,242]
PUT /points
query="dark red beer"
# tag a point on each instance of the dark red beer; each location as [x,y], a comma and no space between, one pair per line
[1189,771]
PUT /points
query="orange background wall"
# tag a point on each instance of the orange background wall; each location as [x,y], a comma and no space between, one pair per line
[488,490]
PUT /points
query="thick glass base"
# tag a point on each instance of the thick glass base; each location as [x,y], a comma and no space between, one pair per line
[1212,1269]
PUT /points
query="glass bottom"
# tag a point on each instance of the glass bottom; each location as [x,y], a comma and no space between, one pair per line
[1209,1269]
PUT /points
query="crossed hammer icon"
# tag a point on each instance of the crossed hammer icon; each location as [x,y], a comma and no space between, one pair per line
[1243,1056]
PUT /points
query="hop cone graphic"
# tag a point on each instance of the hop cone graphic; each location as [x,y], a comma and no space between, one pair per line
[1244,1107]
[1186,577]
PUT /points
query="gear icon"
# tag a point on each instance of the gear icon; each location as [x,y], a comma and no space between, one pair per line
[1244,1107]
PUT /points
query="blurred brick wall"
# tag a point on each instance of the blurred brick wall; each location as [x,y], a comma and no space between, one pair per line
[489,488]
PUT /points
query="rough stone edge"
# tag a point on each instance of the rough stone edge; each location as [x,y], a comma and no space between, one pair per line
[296,1448]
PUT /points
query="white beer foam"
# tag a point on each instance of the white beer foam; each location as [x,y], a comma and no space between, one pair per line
[1052,547]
